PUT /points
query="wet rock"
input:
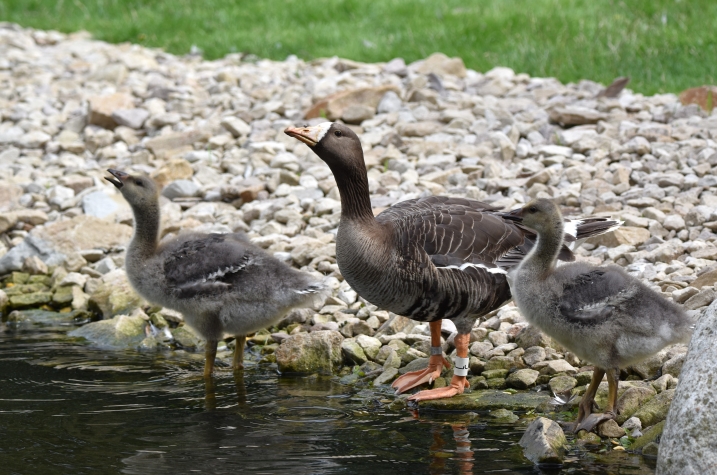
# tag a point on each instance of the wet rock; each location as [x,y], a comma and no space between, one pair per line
[353,352]
[684,447]
[488,399]
[610,429]
[631,400]
[503,415]
[655,410]
[544,442]
[30,300]
[316,352]
[386,377]
[185,337]
[649,435]
[562,384]
[119,332]
[115,295]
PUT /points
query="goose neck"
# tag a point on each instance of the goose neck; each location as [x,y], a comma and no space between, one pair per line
[543,256]
[146,231]
[352,183]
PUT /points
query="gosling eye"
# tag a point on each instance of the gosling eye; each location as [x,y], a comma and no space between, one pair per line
[532,209]
[138,183]
[337,133]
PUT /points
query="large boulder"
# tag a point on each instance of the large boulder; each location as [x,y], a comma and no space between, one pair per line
[316,352]
[122,331]
[544,442]
[115,295]
[688,445]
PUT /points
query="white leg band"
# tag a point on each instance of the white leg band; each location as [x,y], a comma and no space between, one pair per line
[460,367]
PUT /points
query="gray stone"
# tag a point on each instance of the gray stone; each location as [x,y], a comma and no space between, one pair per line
[316,352]
[180,189]
[30,246]
[99,205]
[534,354]
[688,443]
[353,353]
[390,102]
[522,379]
[544,442]
[370,345]
[561,384]
[673,366]
[610,429]
[132,118]
[386,377]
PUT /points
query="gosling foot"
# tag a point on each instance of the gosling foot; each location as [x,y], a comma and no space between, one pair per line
[436,363]
[593,420]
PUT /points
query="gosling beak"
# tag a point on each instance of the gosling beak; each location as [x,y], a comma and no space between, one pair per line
[309,135]
[514,215]
[120,178]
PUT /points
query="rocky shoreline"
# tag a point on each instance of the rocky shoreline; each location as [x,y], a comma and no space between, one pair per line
[212,133]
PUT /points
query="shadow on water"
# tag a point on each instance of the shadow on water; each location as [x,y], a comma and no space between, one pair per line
[68,408]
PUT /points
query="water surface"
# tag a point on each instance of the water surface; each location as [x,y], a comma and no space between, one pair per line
[68,408]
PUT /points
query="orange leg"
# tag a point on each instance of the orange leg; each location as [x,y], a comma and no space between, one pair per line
[435,364]
[210,354]
[238,360]
[589,421]
[459,382]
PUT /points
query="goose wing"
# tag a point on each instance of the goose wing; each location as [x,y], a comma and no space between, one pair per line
[456,232]
[592,296]
[206,265]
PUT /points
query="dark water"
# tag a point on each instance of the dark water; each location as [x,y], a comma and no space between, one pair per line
[68,408]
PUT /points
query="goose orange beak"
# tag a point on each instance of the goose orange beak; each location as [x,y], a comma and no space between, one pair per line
[311,136]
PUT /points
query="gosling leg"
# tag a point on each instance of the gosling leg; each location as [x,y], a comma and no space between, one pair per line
[593,420]
[238,361]
[210,354]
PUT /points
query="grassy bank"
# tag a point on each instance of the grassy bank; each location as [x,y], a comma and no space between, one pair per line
[664,45]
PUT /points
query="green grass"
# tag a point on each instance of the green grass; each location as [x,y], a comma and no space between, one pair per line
[664,45]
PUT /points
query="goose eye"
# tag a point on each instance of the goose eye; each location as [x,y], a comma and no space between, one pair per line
[138,183]
[337,133]
[533,209]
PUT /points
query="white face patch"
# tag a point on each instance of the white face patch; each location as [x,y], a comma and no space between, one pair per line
[322,129]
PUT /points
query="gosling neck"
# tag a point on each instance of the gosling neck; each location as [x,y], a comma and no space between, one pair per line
[541,260]
[146,230]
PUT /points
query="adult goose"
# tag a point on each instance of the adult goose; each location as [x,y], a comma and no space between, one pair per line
[602,314]
[221,283]
[427,259]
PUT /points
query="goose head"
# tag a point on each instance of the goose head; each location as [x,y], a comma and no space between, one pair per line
[139,190]
[541,215]
[336,144]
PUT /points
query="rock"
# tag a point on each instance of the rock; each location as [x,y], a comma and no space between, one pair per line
[388,375]
[29,300]
[648,368]
[30,246]
[370,345]
[440,64]
[522,379]
[544,442]
[120,332]
[133,118]
[99,205]
[703,96]
[503,415]
[357,113]
[558,366]
[334,106]
[534,354]
[701,299]
[353,352]
[390,102]
[649,435]
[33,265]
[487,399]
[532,336]
[631,400]
[172,143]
[576,115]
[115,295]
[185,337]
[180,189]
[632,423]
[562,384]
[685,442]
[610,429]
[628,235]
[236,126]
[101,108]
[673,366]
[655,410]
[316,352]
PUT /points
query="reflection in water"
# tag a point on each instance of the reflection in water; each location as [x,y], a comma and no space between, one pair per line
[68,408]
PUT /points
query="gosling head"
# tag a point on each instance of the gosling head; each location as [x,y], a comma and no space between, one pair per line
[138,190]
[541,215]
[335,143]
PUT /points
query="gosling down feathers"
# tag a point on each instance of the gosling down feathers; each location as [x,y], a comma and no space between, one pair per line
[221,283]
[602,314]
[427,259]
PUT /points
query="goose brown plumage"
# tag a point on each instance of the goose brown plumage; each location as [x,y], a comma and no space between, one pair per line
[427,259]
[221,283]
[602,314]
